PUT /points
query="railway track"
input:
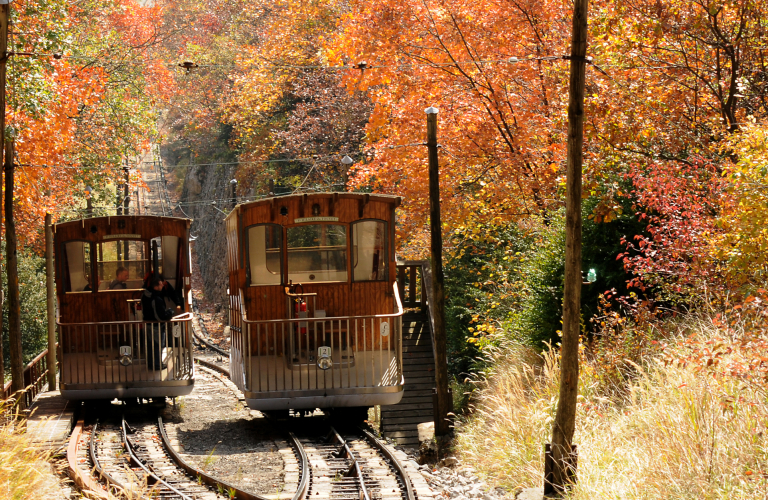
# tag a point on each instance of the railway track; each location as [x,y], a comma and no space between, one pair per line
[122,458]
[118,458]
[355,466]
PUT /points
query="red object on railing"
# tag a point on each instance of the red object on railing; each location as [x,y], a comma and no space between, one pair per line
[301,307]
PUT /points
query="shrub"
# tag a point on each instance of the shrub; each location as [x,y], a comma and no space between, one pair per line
[686,427]
[33,303]
[24,472]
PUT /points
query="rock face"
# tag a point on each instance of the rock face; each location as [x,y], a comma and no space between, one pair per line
[202,185]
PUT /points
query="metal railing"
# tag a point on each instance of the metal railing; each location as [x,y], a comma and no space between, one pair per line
[100,355]
[35,374]
[283,355]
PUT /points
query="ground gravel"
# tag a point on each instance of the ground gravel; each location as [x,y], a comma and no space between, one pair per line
[218,434]
[460,482]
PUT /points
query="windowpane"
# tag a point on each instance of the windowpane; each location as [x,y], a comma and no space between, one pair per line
[317,253]
[369,245]
[264,244]
[78,266]
[122,264]
[169,261]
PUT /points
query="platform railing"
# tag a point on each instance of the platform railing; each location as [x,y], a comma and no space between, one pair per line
[35,379]
[410,278]
[283,355]
[100,355]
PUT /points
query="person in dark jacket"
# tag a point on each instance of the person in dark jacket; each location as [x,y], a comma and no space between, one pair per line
[167,292]
[153,307]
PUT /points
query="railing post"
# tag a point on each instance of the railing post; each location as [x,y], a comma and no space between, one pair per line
[51,301]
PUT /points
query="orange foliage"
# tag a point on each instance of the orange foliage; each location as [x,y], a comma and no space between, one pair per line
[66,113]
[501,121]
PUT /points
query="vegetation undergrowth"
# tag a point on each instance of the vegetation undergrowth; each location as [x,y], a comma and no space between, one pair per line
[34,330]
[688,421]
[25,471]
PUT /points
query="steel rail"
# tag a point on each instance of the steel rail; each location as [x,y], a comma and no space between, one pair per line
[208,344]
[200,338]
[213,366]
[303,489]
[111,481]
[410,494]
[135,459]
[197,473]
[355,465]
[87,486]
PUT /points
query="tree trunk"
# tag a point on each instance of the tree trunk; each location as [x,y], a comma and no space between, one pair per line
[4,16]
[14,309]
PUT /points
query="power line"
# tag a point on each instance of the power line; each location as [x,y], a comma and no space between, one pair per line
[312,158]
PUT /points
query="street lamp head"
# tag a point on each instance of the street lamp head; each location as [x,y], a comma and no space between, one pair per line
[233,182]
[188,65]
[431,110]
[88,190]
[347,160]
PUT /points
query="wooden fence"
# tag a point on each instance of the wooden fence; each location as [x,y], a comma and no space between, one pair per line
[35,378]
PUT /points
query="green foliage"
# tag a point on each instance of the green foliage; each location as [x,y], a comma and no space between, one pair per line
[504,282]
[601,244]
[34,322]
[482,289]
[542,271]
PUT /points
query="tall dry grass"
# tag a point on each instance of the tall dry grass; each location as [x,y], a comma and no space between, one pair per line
[25,472]
[678,432]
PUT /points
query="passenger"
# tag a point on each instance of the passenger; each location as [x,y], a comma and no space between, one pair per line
[121,276]
[153,307]
[88,287]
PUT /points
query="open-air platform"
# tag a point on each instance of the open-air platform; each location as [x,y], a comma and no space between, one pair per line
[50,421]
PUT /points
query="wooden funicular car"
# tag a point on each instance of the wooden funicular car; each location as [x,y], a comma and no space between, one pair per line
[316,319]
[106,349]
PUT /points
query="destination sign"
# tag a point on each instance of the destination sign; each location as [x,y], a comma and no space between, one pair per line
[121,236]
[315,219]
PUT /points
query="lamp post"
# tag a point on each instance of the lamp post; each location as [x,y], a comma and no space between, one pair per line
[347,162]
[233,184]
[88,201]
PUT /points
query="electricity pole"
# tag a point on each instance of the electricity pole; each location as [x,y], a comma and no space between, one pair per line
[444,404]
[560,462]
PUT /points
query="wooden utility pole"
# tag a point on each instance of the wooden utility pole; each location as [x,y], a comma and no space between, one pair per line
[51,302]
[560,462]
[444,404]
[5,10]
[14,309]
[89,202]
